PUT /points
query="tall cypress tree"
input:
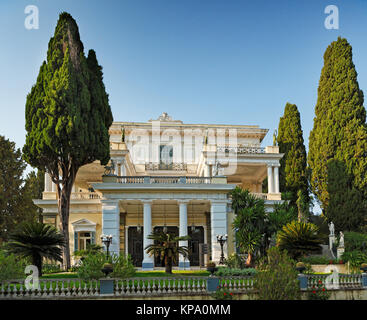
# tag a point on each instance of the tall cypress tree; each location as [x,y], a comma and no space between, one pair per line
[292,173]
[67,116]
[339,131]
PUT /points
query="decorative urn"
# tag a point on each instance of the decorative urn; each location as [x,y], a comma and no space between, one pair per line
[107,269]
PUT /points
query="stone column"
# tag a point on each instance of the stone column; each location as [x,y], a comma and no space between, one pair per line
[207,170]
[111,223]
[48,182]
[276,179]
[218,220]
[270,179]
[148,261]
[53,188]
[183,263]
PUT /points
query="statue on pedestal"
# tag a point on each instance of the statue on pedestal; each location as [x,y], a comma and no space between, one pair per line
[275,138]
[341,240]
[331,229]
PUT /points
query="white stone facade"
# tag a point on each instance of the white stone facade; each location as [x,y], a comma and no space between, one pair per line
[168,174]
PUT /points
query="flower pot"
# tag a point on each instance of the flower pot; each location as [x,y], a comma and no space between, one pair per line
[211,270]
[107,269]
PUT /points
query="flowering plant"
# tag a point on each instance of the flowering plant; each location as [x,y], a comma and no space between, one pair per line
[222,293]
[318,292]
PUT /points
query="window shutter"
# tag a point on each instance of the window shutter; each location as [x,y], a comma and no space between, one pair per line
[93,240]
[75,241]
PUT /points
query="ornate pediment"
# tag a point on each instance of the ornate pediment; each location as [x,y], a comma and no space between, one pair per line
[84,225]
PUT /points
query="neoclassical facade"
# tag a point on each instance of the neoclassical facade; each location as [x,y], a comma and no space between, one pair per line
[165,175]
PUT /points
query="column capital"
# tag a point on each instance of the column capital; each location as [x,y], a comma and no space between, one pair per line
[183,201]
[147,201]
[109,202]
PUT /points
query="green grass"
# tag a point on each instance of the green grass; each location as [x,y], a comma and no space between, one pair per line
[138,274]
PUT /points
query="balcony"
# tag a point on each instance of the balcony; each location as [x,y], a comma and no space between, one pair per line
[151,166]
[241,150]
[168,180]
[48,195]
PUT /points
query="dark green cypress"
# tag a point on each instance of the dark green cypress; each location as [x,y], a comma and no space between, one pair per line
[292,173]
[67,115]
[339,132]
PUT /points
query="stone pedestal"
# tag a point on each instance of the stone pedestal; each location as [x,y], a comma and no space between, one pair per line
[212,284]
[106,286]
[340,252]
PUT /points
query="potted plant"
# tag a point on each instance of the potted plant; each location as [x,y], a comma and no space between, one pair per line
[300,267]
[211,267]
[107,269]
[364,267]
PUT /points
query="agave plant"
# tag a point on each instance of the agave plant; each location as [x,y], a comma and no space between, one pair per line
[36,241]
[167,247]
[299,238]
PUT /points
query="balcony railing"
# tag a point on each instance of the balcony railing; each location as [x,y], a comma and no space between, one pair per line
[49,195]
[166,166]
[164,179]
[241,150]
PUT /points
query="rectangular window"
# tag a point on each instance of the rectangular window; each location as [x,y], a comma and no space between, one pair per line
[85,238]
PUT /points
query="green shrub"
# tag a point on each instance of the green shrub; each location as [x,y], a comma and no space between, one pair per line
[318,292]
[321,260]
[355,241]
[51,268]
[92,264]
[224,272]
[355,258]
[122,266]
[278,278]
[235,261]
[11,267]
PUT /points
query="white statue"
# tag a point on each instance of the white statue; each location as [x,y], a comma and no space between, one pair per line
[331,228]
[216,169]
[341,240]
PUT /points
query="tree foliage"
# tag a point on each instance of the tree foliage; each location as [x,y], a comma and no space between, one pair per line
[292,173]
[67,115]
[339,131]
[253,226]
[36,241]
[277,279]
[16,193]
[166,245]
[299,238]
[347,208]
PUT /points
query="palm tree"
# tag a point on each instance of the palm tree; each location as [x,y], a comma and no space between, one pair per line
[36,241]
[167,247]
[299,238]
[249,223]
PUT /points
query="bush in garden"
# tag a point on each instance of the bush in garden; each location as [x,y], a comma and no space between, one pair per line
[11,266]
[355,258]
[318,292]
[51,268]
[277,278]
[355,241]
[222,293]
[92,265]
[235,261]
[122,266]
[224,272]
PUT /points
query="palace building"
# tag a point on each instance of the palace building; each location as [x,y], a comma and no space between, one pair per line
[165,175]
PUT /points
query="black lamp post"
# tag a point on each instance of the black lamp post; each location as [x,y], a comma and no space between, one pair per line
[106,241]
[221,239]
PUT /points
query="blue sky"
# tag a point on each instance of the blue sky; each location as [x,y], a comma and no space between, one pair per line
[203,61]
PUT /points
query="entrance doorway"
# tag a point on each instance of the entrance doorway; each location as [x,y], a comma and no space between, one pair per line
[135,245]
[196,237]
